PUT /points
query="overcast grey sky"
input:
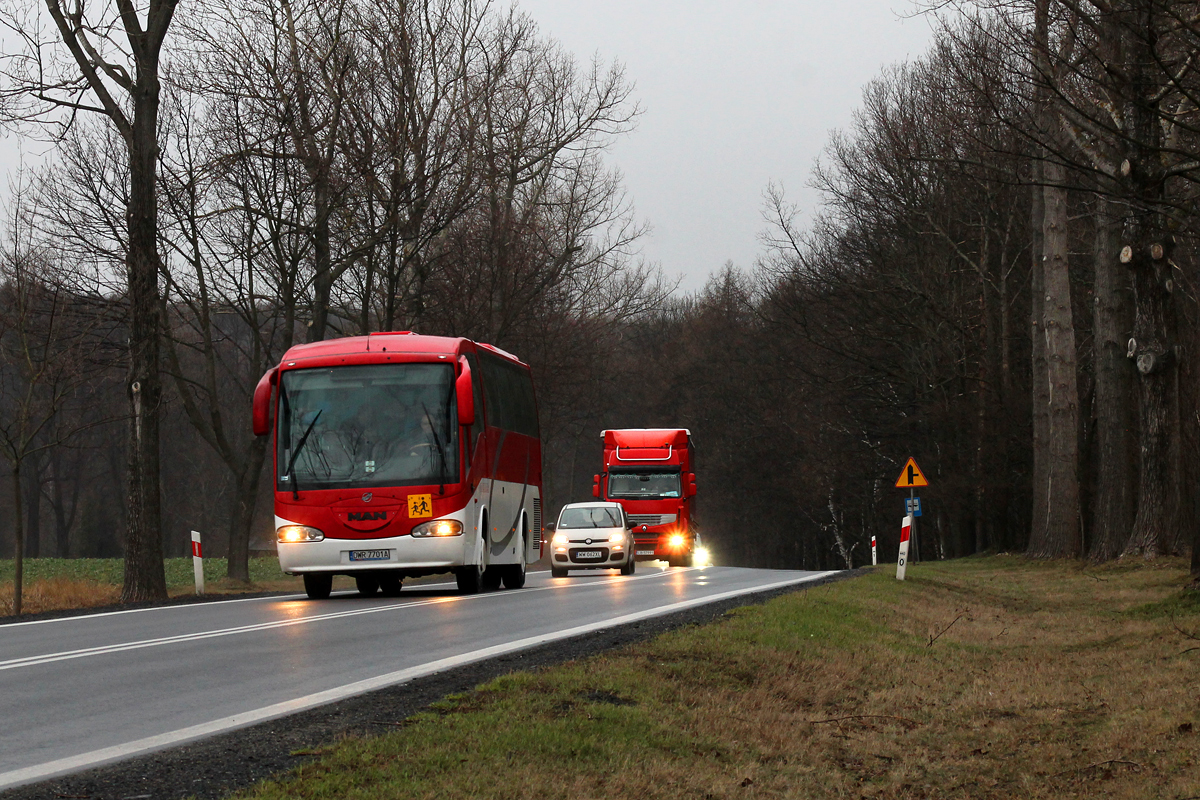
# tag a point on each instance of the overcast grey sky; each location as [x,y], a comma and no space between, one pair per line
[735,94]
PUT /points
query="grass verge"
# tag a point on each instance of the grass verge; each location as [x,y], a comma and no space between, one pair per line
[54,584]
[982,678]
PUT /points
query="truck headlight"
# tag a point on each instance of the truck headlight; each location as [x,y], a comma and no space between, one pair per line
[676,541]
[438,527]
[291,534]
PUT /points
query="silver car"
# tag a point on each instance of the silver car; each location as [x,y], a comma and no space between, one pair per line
[592,536]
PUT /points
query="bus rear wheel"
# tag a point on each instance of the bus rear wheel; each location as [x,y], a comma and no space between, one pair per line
[367,585]
[492,577]
[318,586]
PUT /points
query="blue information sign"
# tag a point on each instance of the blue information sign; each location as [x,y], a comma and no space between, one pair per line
[912,506]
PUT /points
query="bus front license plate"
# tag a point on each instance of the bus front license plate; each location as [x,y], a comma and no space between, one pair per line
[370,555]
[645,552]
[589,554]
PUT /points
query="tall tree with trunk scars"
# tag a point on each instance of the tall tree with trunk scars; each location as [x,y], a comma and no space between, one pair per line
[111,67]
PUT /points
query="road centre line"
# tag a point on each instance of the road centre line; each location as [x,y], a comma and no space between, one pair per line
[68,655]
[149,744]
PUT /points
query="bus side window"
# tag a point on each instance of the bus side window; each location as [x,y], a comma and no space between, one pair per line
[476,389]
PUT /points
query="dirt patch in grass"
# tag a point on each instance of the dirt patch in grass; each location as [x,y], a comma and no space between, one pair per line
[981,678]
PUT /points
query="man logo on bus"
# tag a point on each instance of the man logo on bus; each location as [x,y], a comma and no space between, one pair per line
[420,505]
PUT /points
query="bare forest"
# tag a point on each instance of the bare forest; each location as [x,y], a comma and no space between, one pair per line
[1001,282]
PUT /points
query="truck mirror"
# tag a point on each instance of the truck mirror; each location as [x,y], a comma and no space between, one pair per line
[595,486]
[691,484]
[464,395]
[261,416]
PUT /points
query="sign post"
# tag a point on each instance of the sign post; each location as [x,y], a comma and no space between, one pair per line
[910,478]
[902,561]
[874,558]
[198,562]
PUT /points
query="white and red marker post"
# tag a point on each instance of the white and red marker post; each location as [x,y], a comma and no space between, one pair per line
[874,557]
[198,562]
[902,562]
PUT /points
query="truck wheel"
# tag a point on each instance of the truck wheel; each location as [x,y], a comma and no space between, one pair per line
[367,585]
[318,586]
[470,579]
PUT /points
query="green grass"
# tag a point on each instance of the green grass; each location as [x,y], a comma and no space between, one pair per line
[111,570]
[989,677]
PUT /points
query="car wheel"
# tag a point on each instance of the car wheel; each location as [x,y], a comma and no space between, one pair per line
[470,579]
[627,568]
[558,572]
[318,586]
[391,585]
[367,585]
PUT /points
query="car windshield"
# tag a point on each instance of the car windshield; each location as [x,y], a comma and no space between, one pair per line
[371,425]
[594,517]
[643,485]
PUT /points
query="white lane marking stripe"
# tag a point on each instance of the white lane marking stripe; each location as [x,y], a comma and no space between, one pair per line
[95,758]
[68,655]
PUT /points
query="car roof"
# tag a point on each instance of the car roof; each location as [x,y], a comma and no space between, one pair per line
[594,504]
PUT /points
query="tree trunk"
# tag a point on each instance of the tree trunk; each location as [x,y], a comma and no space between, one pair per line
[18,539]
[33,510]
[241,517]
[144,575]
[1057,534]
[1116,480]
[1040,382]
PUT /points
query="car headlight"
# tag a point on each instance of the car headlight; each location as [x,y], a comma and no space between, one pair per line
[559,540]
[290,534]
[676,541]
[438,527]
[617,538]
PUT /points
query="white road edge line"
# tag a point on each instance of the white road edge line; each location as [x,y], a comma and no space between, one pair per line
[162,741]
[106,649]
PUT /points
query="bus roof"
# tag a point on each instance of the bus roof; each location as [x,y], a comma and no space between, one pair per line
[389,342]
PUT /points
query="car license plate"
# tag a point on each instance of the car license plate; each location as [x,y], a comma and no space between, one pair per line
[589,554]
[645,552]
[370,555]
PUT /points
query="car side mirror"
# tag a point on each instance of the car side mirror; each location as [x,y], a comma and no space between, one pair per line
[595,486]
[261,415]
[464,395]
[691,484]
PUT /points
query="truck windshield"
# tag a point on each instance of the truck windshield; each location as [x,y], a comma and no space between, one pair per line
[597,517]
[643,485]
[372,425]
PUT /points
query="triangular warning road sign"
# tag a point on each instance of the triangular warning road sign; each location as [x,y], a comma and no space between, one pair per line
[911,476]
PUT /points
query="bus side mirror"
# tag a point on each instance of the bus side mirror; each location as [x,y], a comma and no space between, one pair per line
[595,486]
[465,395]
[261,416]
[691,484]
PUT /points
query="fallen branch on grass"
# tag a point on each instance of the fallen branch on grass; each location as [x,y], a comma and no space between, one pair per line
[905,720]
[1100,764]
[933,639]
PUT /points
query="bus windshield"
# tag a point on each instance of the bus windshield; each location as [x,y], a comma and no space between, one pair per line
[367,426]
[643,485]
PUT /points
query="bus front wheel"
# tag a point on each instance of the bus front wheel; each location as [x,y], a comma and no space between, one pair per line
[470,578]
[318,586]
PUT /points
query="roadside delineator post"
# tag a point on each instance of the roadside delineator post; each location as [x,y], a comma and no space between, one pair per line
[198,562]
[874,558]
[902,562]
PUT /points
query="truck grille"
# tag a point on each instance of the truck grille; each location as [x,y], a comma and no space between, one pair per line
[651,519]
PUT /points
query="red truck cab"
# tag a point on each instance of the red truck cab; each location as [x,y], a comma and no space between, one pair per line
[649,471]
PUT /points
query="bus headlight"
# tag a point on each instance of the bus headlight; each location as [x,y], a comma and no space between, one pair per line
[438,527]
[291,534]
[676,541]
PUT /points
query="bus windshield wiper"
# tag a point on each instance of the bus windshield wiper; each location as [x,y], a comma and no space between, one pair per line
[296,454]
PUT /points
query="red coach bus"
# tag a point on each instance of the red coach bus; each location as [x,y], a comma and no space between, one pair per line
[398,455]
[649,472]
